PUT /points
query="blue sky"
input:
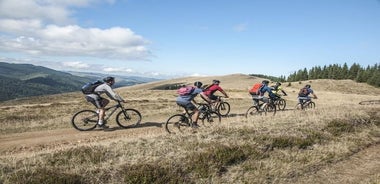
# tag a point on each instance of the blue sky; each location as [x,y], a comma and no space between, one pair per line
[173,38]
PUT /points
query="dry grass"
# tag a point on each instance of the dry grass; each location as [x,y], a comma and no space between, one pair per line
[288,148]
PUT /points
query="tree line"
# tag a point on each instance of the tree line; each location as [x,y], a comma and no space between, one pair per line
[369,74]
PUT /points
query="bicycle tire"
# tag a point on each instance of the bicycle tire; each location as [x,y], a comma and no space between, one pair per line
[130,119]
[209,118]
[252,111]
[85,120]
[281,104]
[177,123]
[311,105]
[270,109]
[224,109]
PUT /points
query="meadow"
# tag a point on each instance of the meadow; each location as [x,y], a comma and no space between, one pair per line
[337,142]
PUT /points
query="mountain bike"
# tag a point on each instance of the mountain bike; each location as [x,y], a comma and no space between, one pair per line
[261,109]
[306,104]
[85,120]
[222,107]
[280,103]
[182,122]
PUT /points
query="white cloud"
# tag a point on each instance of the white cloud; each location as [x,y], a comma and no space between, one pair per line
[76,64]
[45,28]
[110,69]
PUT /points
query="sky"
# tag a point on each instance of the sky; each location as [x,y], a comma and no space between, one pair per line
[175,38]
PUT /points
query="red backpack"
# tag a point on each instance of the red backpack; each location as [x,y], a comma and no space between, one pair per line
[185,90]
[255,90]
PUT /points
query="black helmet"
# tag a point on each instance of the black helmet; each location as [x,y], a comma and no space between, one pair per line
[198,84]
[109,79]
[215,81]
[265,82]
[307,86]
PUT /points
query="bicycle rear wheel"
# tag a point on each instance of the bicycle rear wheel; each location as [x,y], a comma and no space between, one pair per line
[252,111]
[224,108]
[208,118]
[128,118]
[177,123]
[85,120]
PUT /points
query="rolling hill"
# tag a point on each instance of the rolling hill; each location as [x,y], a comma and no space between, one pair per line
[23,80]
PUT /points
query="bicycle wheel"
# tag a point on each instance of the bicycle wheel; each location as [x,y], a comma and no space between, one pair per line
[310,105]
[128,118]
[252,111]
[85,120]
[281,104]
[177,123]
[208,118]
[270,109]
[224,108]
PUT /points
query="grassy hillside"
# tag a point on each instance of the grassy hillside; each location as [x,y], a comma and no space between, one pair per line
[39,145]
[24,80]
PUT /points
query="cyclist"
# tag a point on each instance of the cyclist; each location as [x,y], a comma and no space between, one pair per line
[209,93]
[185,101]
[276,89]
[304,93]
[260,97]
[100,102]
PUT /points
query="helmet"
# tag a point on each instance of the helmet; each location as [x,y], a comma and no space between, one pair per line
[215,81]
[109,79]
[198,84]
[265,82]
[308,86]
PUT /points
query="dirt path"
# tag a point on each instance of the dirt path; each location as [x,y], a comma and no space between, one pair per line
[27,142]
[359,168]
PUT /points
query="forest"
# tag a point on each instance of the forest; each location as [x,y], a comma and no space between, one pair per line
[369,74]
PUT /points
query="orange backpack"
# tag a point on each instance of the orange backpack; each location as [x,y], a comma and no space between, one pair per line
[255,90]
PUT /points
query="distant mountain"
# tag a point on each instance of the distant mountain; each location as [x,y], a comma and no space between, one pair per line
[24,80]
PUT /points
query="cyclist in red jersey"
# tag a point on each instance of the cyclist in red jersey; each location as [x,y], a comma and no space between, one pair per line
[209,93]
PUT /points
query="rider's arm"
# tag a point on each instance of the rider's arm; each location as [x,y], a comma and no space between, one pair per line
[110,93]
[205,97]
[223,92]
[284,93]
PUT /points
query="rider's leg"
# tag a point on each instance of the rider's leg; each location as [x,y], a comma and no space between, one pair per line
[214,100]
[102,104]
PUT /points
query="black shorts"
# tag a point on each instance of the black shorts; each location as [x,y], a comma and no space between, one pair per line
[97,101]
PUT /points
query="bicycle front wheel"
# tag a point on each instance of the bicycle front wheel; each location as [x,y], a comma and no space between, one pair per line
[177,123]
[224,108]
[128,118]
[85,120]
[310,105]
[281,104]
[209,118]
[270,109]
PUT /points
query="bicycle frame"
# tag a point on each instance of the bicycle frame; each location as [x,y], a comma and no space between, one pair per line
[114,108]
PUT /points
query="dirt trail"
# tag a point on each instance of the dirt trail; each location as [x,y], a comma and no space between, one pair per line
[18,143]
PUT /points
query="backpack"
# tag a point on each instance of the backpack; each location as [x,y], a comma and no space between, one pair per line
[255,90]
[89,88]
[185,90]
[303,92]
